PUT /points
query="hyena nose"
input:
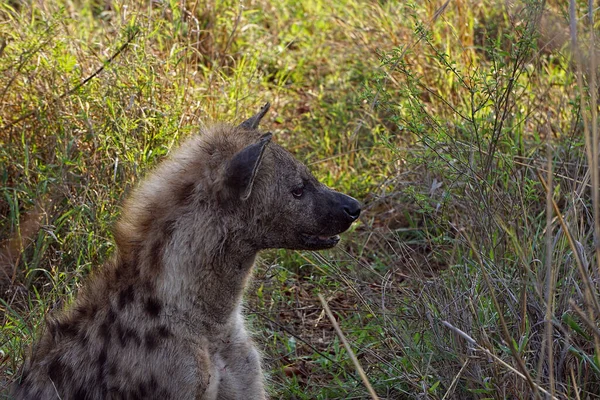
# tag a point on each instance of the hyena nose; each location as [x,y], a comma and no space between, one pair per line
[352,208]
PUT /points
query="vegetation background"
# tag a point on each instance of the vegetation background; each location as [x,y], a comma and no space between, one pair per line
[468,129]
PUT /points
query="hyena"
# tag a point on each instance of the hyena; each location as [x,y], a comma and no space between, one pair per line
[163,319]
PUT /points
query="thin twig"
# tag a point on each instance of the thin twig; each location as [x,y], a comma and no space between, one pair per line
[507,337]
[438,13]
[593,92]
[361,372]
[591,148]
[574,381]
[289,332]
[79,85]
[590,298]
[591,325]
[55,389]
[24,59]
[472,341]
[550,273]
[455,380]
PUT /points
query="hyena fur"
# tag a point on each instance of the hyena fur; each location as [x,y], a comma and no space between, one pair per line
[163,319]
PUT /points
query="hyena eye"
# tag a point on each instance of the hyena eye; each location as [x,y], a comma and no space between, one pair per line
[297,192]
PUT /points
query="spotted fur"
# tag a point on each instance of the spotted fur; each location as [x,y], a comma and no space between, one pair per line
[163,319]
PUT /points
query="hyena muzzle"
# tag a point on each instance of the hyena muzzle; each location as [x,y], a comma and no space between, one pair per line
[162,319]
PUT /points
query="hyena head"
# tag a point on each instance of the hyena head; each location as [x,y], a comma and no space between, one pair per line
[289,207]
[256,194]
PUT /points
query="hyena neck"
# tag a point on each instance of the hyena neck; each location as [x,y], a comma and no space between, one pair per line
[204,283]
[197,260]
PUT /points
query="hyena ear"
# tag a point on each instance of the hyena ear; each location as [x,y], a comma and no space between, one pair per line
[252,122]
[243,167]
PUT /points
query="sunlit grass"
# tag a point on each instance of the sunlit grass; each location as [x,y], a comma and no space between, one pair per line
[436,115]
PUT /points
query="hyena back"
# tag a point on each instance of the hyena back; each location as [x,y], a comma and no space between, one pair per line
[163,319]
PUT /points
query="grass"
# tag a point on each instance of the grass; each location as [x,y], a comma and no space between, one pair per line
[465,127]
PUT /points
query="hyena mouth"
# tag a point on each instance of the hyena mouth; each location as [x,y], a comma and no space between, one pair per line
[319,242]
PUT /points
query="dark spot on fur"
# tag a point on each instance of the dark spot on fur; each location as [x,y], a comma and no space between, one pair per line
[101,361]
[119,272]
[163,331]
[153,307]
[65,329]
[169,228]
[80,394]
[105,329]
[102,358]
[126,268]
[142,389]
[111,316]
[85,311]
[153,384]
[154,336]
[127,335]
[57,372]
[134,395]
[151,341]
[93,311]
[157,391]
[79,312]
[126,297]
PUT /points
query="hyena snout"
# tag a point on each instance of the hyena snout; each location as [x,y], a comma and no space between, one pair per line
[335,213]
[343,211]
[350,206]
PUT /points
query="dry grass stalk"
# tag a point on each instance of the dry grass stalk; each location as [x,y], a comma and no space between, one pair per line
[357,365]
[495,357]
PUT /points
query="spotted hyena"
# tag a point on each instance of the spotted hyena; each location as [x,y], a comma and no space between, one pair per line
[163,319]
